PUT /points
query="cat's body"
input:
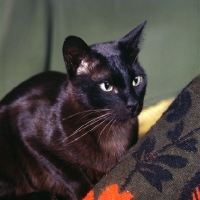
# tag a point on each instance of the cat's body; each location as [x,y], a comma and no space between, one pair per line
[59,134]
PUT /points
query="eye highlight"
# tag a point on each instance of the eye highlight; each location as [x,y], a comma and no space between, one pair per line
[106,86]
[136,81]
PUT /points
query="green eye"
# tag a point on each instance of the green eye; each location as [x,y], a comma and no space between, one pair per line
[137,80]
[106,86]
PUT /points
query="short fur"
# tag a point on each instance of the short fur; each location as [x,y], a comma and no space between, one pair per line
[60,133]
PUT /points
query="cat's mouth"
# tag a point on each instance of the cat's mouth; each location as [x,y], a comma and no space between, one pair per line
[121,119]
[124,119]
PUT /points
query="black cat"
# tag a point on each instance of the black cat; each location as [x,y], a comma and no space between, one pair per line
[59,134]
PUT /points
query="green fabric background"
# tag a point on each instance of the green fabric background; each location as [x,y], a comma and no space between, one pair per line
[32,33]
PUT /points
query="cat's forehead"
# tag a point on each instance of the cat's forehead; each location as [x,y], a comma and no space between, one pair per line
[101,68]
[106,49]
[106,60]
[112,67]
[109,55]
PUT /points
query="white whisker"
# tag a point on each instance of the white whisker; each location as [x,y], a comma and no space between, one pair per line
[87,131]
[89,123]
[94,111]
[111,127]
[104,129]
[91,111]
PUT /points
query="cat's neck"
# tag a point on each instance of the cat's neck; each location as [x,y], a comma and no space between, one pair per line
[105,148]
[105,139]
[116,139]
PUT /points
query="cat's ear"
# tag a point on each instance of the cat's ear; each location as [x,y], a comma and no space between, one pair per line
[74,51]
[131,41]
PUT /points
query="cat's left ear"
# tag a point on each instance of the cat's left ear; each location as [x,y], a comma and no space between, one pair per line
[131,41]
[74,51]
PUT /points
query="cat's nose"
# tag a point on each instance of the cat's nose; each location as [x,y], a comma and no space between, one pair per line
[131,105]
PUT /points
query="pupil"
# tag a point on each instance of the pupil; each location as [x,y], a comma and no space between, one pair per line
[107,85]
[136,79]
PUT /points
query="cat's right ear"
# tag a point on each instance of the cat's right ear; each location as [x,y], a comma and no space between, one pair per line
[74,51]
[129,44]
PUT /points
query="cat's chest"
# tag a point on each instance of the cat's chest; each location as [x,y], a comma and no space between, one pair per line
[118,140]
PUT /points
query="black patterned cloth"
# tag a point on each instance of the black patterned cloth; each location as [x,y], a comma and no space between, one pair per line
[165,163]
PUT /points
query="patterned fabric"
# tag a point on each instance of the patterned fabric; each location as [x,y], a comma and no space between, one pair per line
[165,163]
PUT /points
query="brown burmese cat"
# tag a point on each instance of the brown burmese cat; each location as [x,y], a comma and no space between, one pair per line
[60,133]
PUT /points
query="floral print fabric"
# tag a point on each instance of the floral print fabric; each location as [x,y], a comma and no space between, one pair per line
[165,163]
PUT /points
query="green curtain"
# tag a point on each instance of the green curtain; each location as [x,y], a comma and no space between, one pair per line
[32,33]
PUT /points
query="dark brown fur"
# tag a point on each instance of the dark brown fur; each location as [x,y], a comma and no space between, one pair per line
[59,134]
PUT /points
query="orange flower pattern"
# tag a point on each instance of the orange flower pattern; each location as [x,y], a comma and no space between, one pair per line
[90,196]
[191,189]
[111,193]
[196,194]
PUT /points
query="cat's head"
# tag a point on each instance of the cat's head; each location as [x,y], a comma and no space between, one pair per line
[107,75]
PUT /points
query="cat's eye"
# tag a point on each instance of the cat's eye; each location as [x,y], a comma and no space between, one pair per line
[106,86]
[137,80]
